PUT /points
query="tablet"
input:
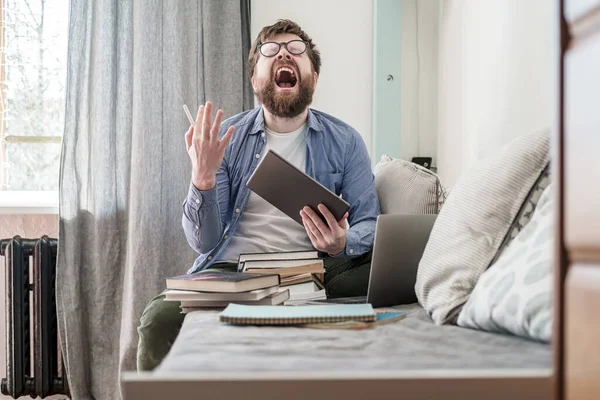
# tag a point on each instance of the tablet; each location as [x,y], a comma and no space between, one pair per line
[289,189]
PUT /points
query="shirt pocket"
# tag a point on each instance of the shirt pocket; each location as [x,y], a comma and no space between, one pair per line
[331,180]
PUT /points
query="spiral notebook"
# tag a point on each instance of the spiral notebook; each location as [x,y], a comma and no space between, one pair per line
[239,314]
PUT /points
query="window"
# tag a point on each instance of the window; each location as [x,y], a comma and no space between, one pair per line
[33,57]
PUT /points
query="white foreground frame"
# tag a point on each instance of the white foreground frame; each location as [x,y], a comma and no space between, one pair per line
[490,384]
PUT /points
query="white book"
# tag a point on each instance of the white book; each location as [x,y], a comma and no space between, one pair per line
[303,288]
[189,295]
[271,300]
[307,299]
[284,255]
[280,263]
[303,292]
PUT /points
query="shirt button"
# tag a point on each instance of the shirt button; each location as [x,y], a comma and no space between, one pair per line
[197,201]
[257,156]
[196,226]
[351,251]
[262,134]
[210,257]
[225,237]
[237,210]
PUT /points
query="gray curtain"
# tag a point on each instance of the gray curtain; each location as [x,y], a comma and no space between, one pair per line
[132,64]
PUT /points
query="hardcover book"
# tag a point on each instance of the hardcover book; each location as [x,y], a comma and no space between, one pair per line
[222,281]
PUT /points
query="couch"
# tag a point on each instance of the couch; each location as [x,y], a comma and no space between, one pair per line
[205,344]
[485,218]
[425,339]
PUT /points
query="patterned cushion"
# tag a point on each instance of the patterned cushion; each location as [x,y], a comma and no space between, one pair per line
[404,187]
[515,294]
[526,212]
[474,222]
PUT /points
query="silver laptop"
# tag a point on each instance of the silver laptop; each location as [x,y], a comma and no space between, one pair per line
[397,251]
[399,243]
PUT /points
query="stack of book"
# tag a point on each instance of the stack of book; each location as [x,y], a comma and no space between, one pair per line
[302,272]
[217,289]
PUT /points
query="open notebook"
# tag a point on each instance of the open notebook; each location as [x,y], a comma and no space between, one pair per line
[239,314]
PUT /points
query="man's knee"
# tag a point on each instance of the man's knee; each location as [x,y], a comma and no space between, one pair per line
[350,283]
[159,325]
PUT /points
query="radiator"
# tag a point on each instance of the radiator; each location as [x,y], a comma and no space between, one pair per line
[34,362]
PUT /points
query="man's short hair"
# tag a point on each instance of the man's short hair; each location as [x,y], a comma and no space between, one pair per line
[283,26]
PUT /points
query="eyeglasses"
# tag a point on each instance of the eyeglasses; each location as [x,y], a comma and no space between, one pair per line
[271,49]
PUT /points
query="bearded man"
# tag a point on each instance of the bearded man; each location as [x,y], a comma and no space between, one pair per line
[222,217]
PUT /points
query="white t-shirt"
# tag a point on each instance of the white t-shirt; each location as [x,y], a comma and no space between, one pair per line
[263,228]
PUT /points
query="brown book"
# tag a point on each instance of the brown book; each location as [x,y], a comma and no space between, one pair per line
[310,268]
[295,279]
[222,281]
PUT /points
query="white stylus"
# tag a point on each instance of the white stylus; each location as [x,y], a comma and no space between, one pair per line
[187,112]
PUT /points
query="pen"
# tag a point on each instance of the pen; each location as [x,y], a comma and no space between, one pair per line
[187,112]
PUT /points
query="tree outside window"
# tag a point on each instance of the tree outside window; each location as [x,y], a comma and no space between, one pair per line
[33,53]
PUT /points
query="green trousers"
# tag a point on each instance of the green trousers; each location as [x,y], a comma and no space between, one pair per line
[161,320]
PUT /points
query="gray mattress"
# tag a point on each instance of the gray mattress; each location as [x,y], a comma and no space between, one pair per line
[206,345]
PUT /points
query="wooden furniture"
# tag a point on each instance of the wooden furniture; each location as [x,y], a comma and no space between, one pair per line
[580,140]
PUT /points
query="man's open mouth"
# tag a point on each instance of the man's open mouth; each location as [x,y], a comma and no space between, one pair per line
[285,77]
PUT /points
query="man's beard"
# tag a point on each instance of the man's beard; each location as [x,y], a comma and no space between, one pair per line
[286,105]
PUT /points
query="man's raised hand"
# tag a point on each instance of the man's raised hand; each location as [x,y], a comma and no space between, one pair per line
[204,147]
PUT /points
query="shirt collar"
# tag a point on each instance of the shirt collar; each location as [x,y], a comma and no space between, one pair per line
[259,122]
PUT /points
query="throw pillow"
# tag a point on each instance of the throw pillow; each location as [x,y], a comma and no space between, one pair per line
[474,222]
[404,187]
[515,294]
[526,212]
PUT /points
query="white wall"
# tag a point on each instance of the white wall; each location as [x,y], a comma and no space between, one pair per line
[419,21]
[343,31]
[496,67]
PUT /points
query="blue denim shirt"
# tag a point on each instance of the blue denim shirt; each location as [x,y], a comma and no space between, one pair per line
[336,157]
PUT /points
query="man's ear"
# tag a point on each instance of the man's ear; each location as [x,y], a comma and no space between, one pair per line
[252,80]
[315,79]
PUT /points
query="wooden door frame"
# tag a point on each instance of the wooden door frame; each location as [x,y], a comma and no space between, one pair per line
[560,255]
[580,270]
